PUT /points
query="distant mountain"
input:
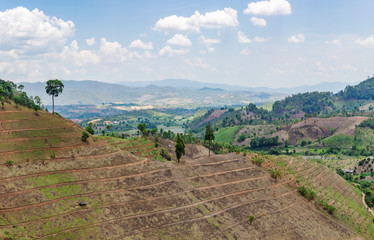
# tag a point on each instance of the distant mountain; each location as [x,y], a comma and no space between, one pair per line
[94,92]
[189,84]
[210,89]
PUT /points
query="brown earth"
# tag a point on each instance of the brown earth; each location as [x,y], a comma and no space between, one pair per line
[312,128]
[131,197]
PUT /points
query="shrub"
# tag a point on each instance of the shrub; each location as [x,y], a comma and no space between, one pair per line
[307,193]
[275,173]
[90,130]
[53,154]
[330,209]
[251,219]
[9,163]
[258,160]
[85,136]
[165,154]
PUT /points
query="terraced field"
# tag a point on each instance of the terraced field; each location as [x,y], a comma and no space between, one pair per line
[129,195]
[332,189]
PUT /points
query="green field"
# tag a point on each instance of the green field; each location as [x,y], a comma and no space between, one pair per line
[227,134]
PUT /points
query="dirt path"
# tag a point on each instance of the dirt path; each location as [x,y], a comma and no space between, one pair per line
[367,207]
[48,148]
[35,129]
[36,138]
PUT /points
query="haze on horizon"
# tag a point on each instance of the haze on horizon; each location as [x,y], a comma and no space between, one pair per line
[273,43]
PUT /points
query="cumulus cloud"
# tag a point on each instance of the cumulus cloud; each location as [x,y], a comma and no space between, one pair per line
[245,51]
[369,41]
[79,58]
[113,51]
[269,8]
[139,44]
[179,40]
[227,17]
[242,38]
[32,31]
[90,41]
[299,38]
[258,21]
[169,51]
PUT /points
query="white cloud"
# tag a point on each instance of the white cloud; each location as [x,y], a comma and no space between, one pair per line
[179,40]
[208,41]
[169,51]
[258,21]
[79,58]
[269,8]
[113,51]
[90,41]
[227,17]
[245,51]
[334,42]
[260,39]
[139,44]
[33,31]
[369,41]
[242,38]
[299,38]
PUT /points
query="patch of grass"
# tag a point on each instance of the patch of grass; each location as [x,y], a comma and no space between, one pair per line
[227,134]
[339,141]
[60,191]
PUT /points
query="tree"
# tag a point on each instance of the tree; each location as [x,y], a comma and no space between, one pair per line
[85,136]
[143,129]
[209,135]
[90,129]
[179,147]
[108,127]
[38,100]
[54,88]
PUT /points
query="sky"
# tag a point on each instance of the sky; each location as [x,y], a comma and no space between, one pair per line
[271,43]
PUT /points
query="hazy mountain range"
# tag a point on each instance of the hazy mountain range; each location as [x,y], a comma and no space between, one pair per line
[168,93]
[189,84]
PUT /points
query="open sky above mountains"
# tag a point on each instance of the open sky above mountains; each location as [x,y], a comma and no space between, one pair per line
[275,43]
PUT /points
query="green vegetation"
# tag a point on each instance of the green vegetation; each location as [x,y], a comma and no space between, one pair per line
[251,219]
[54,88]
[179,147]
[85,136]
[259,142]
[209,136]
[307,192]
[226,135]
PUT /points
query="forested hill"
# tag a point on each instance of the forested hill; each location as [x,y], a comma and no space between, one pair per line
[323,104]
[364,90]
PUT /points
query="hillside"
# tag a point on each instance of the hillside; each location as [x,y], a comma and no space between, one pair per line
[127,195]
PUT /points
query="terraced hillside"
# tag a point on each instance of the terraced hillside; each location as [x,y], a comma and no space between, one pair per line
[124,196]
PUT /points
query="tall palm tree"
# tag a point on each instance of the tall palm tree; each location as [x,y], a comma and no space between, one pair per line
[54,88]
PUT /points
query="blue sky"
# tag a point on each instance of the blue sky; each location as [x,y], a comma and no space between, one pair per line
[273,43]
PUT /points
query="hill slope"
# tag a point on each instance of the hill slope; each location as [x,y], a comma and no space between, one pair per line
[132,197]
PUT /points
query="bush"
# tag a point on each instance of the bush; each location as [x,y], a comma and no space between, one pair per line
[90,130]
[53,154]
[9,163]
[258,160]
[275,173]
[165,154]
[307,193]
[251,219]
[85,136]
[330,209]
